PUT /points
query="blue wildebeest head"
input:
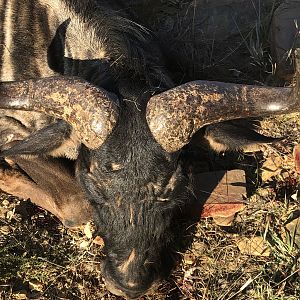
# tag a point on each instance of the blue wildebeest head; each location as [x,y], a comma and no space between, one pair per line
[127,131]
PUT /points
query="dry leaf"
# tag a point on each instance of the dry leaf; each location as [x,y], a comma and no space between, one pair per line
[296,154]
[5,203]
[293,229]
[253,246]
[10,214]
[198,247]
[98,241]
[88,230]
[295,196]
[271,167]
[222,213]
[224,221]
[84,245]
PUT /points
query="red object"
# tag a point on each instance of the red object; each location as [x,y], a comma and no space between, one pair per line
[221,209]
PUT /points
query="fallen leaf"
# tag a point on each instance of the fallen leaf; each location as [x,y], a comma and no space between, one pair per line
[224,221]
[271,167]
[222,213]
[296,154]
[98,241]
[5,203]
[88,230]
[10,214]
[293,229]
[198,247]
[295,196]
[189,273]
[256,246]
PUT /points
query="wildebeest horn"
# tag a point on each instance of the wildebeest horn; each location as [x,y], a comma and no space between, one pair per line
[90,110]
[175,115]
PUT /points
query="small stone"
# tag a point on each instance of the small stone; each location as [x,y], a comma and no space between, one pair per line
[224,221]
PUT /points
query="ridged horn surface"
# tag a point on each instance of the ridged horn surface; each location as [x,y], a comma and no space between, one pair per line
[91,111]
[175,115]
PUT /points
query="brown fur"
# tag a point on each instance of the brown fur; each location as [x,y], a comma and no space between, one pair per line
[50,186]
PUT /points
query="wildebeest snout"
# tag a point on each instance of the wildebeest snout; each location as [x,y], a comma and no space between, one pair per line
[130,279]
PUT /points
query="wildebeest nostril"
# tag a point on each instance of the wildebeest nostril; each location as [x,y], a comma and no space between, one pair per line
[124,286]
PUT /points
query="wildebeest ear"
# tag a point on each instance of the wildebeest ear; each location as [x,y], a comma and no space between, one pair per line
[56,139]
[234,136]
